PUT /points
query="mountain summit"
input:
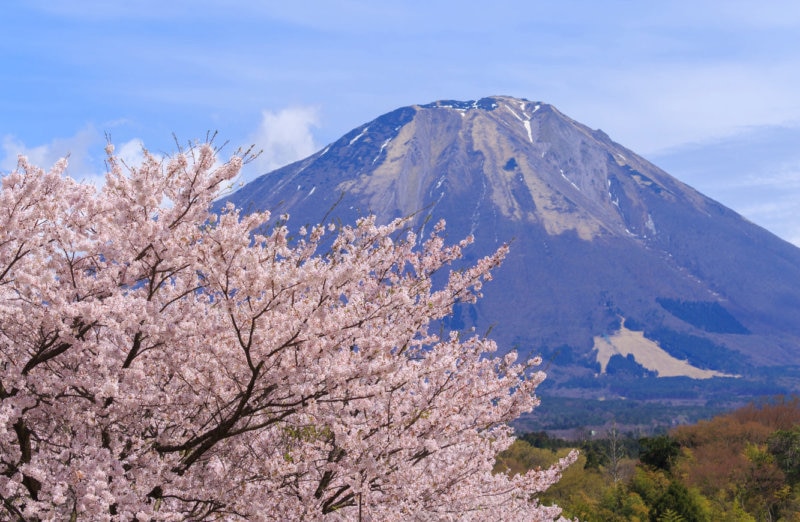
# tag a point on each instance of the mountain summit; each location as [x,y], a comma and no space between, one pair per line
[618,273]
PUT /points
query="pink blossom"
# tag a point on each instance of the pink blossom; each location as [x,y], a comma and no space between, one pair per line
[158,362]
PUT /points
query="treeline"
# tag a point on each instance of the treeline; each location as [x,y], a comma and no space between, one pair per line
[741,466]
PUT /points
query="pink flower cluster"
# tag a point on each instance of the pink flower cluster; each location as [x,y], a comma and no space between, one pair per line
[159,362]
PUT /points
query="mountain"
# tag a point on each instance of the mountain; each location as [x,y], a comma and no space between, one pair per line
[632,285]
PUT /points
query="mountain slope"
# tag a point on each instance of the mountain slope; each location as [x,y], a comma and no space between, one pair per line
[603,242]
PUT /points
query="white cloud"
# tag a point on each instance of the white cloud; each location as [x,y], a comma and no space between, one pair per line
[78,148]
[131,152]
[283,137]
[85,152]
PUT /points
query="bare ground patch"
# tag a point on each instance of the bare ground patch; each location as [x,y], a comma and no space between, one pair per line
[647,353]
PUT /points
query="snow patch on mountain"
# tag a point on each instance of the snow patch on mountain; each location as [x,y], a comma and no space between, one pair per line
[566,178]
[527,124]
[380,152]
[359,136]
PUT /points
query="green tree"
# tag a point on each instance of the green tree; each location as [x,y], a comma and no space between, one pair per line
[763,488]
[659,452]
[784,445]
[625,504]
[671,516]
[682,501]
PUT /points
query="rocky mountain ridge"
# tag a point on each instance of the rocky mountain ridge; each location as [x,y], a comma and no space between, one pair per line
[602,242]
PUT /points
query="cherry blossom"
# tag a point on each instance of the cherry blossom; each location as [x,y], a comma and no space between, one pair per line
[159,361]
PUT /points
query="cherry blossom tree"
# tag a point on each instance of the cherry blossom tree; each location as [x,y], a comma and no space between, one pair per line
[161,362]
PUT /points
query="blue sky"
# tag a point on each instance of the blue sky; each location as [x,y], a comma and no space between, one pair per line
[706,90]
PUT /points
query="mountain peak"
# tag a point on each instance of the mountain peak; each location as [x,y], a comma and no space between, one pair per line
[524,152]
[486,104]
[599,234]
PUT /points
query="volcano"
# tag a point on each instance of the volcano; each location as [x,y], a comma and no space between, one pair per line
[631,285]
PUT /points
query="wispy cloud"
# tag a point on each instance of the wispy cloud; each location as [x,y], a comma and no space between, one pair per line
[755,172]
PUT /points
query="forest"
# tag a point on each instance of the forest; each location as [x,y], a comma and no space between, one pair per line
[740,466]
